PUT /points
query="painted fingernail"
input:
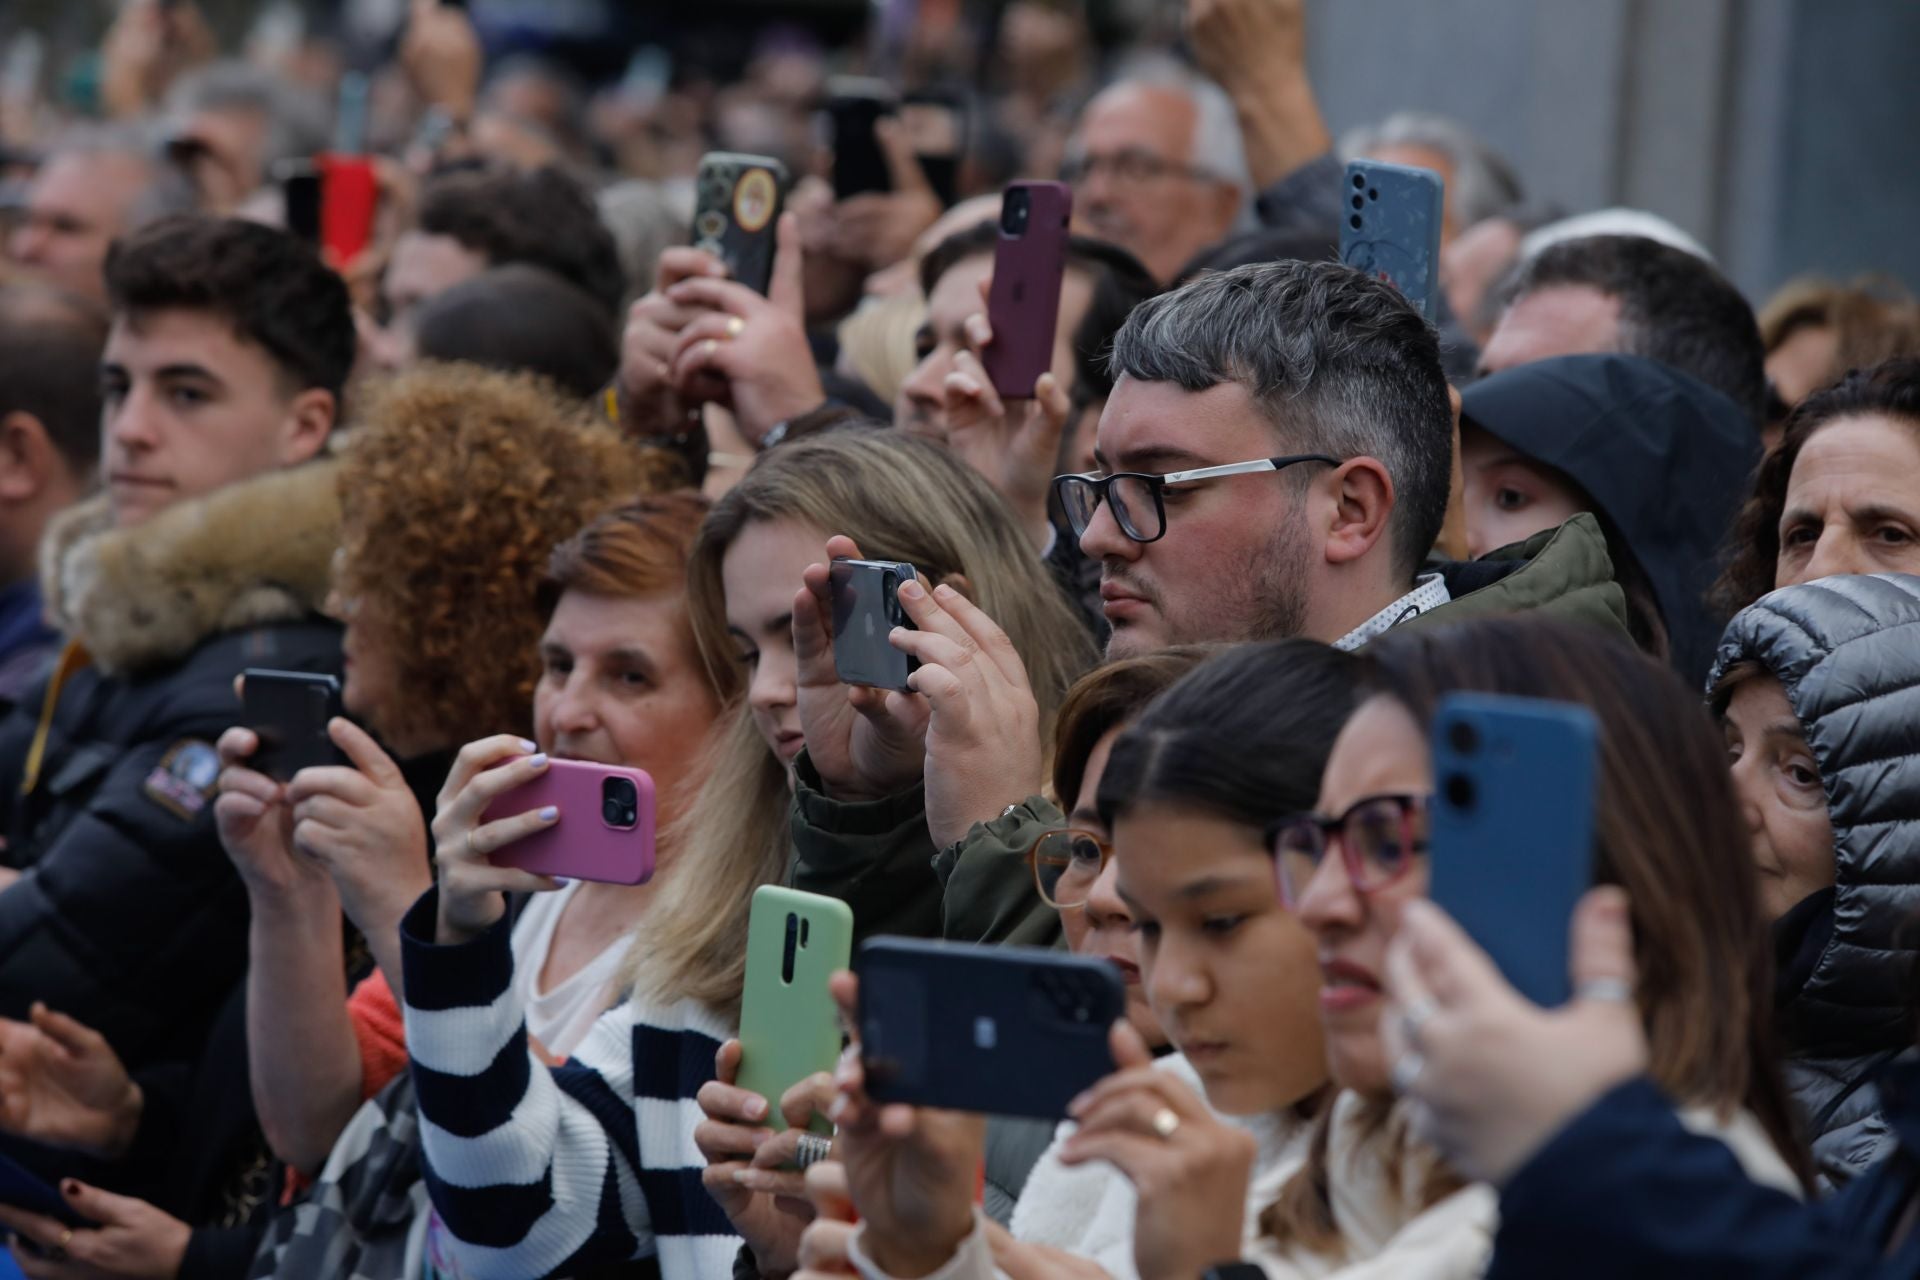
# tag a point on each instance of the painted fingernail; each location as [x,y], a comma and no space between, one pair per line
[526,745]
[549,813]
[562,881]
[911,591]
[538,761]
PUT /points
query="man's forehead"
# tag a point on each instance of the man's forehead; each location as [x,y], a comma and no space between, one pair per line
[1158,118]
[1162,424]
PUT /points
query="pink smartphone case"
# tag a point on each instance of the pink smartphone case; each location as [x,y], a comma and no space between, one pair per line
[1023,304]
[581,845]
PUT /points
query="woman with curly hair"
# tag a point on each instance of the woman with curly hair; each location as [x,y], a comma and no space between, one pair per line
[1840,495]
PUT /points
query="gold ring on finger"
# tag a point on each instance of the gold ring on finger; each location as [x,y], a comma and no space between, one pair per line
[1166,1122]
[735,326]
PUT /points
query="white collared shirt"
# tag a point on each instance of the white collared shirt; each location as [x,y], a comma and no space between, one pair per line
[1428,594]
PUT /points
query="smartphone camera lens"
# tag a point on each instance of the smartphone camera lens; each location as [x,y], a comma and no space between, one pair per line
[1359,180]
[1459,791]
[1463,738]
[1016,208]
[619,802]
[1354,221]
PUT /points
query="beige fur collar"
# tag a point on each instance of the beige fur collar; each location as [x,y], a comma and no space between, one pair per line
[254,552]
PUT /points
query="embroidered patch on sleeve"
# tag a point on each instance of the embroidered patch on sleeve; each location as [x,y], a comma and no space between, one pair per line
[184,781]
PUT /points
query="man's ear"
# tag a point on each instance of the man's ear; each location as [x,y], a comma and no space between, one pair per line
[26,457]
[309,422]
[1363,498]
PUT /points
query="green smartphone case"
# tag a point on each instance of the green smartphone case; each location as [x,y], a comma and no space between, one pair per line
[789,1028]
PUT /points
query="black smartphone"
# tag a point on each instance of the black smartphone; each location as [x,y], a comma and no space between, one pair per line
[301,190]
[866,609]
[854,105]
[936,124]
[21,1188]
[1015,1031]
[737,202]
[289,710]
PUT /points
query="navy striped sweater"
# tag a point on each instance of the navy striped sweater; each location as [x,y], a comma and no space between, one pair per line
[540,1171]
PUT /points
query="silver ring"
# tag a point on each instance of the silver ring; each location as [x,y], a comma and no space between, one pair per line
[811,1150]
[1618,989]
[1166,1123]
[1414,1017]
[1406,1071]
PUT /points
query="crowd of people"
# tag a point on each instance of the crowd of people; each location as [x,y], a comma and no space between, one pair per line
[539,482]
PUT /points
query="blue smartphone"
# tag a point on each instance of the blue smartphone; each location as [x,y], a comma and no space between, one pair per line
[1511,829]
[1001,1030]
[1390,228]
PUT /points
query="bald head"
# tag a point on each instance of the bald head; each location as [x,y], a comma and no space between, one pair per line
[1157,169]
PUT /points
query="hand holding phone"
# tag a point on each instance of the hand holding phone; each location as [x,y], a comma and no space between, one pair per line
[1023,304]
[1512,829]
[605,828]
[866,609]
[1391,228]
[289,712]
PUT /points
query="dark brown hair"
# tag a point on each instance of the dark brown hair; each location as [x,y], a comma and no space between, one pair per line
[1891,388]
[1105,699]
[272,288]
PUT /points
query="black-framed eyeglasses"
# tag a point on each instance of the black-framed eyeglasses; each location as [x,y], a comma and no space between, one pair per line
[1066,864]
[1138,500]
[1380,839]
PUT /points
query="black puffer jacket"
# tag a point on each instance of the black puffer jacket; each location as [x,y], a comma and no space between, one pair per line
[127,914]
[1847,652]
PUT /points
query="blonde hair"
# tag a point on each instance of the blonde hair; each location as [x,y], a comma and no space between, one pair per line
[876,342]
[901,499]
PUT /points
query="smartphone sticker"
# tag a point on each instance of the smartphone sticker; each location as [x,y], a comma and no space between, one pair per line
[753,200]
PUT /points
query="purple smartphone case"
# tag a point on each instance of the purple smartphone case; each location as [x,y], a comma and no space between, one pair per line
[581,845]
[1023,306]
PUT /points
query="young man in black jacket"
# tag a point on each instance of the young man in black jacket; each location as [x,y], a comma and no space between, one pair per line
[206,554]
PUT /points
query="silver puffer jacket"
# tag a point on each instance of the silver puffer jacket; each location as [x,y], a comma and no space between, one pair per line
[1847,652]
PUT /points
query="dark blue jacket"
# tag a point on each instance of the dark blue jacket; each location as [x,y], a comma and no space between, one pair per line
[1627,1190]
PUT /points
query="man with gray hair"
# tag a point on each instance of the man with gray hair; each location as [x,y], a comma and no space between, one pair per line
[1156,168]
[1276,461]
[95,184]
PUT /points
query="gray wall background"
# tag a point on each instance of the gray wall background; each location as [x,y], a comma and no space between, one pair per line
[1784,134]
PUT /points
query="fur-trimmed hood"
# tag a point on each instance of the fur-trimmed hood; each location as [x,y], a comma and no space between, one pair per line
[255,552]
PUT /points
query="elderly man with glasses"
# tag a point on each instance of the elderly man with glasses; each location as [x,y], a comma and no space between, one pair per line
[1156,167]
